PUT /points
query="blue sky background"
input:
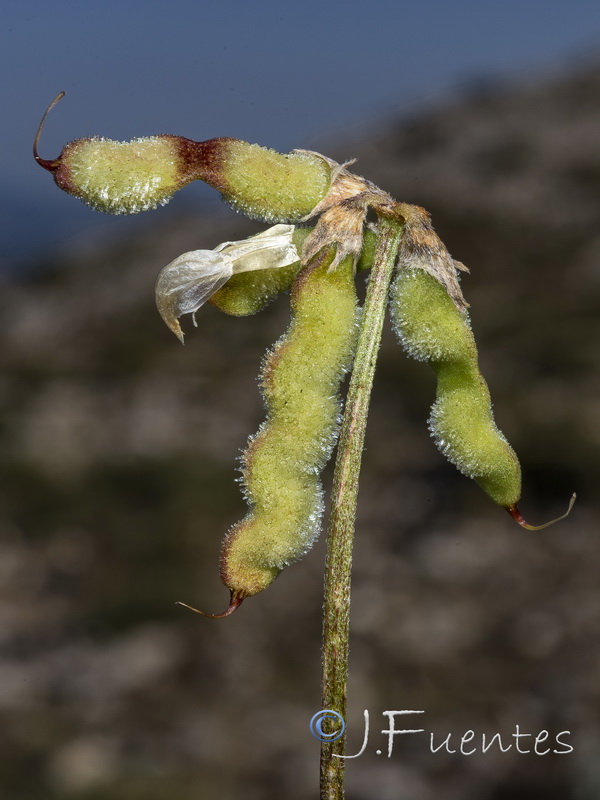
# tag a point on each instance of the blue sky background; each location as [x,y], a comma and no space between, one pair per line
[285,75]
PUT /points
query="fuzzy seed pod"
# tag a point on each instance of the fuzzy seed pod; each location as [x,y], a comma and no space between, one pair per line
[129,177]
[281,466]
[432,328]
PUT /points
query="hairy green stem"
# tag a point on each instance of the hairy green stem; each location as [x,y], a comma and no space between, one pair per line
[336,608]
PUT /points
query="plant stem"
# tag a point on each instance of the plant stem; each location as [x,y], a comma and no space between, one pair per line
[336,607]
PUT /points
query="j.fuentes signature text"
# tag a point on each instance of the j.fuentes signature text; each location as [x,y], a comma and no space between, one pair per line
[467,744]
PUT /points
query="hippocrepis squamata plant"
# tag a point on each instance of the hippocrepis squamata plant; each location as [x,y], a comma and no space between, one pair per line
[301,375]
[318,239]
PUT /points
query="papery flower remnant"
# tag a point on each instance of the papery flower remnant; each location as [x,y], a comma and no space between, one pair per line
[185,284]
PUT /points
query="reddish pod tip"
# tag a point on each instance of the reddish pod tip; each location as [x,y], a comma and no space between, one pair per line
[516,515]
[51,166]
[235,602]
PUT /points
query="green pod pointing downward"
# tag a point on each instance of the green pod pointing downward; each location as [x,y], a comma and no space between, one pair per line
[431,328]
[281,466]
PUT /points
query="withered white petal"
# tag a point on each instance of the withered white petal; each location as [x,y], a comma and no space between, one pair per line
[269,249]
[187,282]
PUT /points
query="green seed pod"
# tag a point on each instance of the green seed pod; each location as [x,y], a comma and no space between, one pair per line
[129,177]
[281,466]
[432,328]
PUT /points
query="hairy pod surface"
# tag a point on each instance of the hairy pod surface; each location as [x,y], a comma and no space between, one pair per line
[120,177]
[431,328]
[267,185]
[249,292]
[281,466]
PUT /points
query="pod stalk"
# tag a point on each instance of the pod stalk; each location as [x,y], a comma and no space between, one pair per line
[235,601]
[53,165]
[518,518]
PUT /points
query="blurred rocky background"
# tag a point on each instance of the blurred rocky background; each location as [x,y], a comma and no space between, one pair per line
[117,463]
